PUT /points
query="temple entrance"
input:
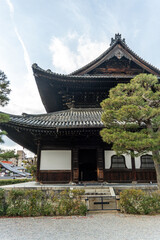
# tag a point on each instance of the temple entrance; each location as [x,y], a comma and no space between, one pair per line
[87,165]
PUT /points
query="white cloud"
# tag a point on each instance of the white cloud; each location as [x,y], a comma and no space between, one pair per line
[24,98]
[24,95]
[11,8]
[66,60]
[62,57]
[25,52]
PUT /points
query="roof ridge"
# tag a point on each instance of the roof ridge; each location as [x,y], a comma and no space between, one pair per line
[55,113]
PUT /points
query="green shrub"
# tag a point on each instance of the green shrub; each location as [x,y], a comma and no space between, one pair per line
[156,202]
[17,202]
[34,200]
[135,201]
[49,204]
[3,205]
[32,169]
[70,203]
[82,209]
[13,181]
[25,203]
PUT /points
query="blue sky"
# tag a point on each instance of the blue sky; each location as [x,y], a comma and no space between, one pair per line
[65,35]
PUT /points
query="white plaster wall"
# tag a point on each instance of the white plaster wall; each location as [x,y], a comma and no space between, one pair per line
[107,158]
[55,160]
[128,161]
[137,162]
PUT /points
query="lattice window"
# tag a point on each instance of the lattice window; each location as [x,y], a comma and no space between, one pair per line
[118,161]
[146,161]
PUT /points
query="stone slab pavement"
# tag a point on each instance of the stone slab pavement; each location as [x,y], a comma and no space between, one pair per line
[109,226]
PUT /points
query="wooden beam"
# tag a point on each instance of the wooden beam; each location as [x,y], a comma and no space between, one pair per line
[133,167]
[75,165]
[100,164]
[38,160]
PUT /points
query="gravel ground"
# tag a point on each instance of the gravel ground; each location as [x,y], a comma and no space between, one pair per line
[110,226]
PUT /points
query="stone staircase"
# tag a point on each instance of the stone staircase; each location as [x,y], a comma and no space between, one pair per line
[100,199]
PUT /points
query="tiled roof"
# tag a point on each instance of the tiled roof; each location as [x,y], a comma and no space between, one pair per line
[14,169]
[114,42]
[86,77]
[9,162]
[71,118]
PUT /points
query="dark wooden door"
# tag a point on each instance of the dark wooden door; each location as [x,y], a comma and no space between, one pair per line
[87,165]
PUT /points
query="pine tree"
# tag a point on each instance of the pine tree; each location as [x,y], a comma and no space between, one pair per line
[8,154]
[4,92]
[131,116]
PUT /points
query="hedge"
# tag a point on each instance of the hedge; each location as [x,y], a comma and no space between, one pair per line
[28,203]
[14,181]
[135,201]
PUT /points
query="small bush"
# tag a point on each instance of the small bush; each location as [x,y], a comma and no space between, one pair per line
[82,209]
[70,203]
[135,201]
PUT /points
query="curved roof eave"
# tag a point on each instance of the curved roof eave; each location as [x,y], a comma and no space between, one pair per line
[66,119]
[75,78]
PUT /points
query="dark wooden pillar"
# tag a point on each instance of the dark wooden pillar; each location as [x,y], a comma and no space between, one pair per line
[100,164]
[133,167]
[75,165]
[38,160]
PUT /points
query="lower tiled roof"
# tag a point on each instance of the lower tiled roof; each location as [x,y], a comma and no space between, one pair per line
[71,118]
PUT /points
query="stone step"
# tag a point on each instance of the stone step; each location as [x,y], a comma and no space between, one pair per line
[97,194]
[100,199]
[99,191]
[102,212]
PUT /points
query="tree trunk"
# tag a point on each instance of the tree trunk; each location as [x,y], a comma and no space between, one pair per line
[156,159]
[133,166]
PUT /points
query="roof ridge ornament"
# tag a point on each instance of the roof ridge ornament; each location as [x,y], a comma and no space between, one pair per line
[117,37]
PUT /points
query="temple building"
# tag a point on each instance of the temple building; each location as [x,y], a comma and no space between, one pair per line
[66,139]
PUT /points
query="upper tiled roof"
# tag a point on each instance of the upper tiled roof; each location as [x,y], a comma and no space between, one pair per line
[131,54]
[82,73]
[89,85]
[72,118]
